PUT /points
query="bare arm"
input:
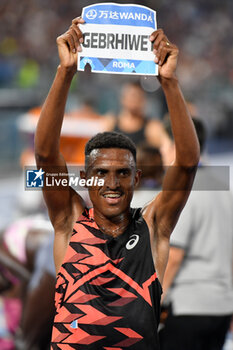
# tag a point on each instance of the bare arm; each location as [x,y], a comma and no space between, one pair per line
[15,267]
[162,213]
[176,256]
[38,313]
[64,205]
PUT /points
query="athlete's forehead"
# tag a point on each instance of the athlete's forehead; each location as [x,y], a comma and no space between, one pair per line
[111,157]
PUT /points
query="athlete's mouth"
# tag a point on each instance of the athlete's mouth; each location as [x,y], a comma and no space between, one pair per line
[112,195]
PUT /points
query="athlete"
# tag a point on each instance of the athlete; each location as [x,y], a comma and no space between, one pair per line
[110,259]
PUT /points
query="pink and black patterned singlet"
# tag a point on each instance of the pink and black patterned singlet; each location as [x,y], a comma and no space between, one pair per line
[107,291]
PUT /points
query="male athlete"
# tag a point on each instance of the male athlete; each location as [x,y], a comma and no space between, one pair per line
[108,292]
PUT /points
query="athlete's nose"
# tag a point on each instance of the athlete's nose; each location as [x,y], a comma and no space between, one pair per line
[112,181]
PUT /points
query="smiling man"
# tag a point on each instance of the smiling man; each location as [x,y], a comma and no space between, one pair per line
[110,259]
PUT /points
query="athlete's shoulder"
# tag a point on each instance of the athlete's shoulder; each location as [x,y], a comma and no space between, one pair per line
[136,213]
[86,216]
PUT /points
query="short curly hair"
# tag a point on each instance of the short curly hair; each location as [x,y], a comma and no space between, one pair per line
[109,140]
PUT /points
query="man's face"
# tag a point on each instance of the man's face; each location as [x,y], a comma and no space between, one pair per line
[118,170]
[133,99]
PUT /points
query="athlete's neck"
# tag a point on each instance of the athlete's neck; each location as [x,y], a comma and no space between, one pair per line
[113,226]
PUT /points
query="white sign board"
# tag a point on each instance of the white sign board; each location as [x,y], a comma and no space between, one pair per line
[116,39]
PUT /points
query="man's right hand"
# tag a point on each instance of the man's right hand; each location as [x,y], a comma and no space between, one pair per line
[69,45]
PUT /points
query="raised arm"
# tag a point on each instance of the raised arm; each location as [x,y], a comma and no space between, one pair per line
[162,213]
[64,205]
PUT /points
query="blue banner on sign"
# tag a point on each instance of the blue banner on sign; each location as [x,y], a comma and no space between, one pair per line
[130,15]
[112,65]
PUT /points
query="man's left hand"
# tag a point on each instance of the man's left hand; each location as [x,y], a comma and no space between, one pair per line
[166,54]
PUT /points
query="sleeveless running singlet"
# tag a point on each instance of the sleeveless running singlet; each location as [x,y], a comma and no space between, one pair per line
[107,292]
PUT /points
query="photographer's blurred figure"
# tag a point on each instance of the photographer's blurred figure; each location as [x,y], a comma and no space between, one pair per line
[198,287]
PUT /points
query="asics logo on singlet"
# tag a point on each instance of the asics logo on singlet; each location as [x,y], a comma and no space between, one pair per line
[132,242]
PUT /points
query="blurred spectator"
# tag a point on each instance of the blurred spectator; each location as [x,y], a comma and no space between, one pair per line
[39,309]
[29,74]
[149,161]
[79,125]
[198,282]
[131,119]
[19,245]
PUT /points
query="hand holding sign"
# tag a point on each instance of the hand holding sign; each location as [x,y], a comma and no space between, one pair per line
[166,54]
[110,52]
[69,44]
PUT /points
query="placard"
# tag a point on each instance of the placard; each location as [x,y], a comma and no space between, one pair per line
[116,39]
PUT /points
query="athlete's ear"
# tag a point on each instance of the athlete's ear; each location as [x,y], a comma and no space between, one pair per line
[137,177]
[83,174]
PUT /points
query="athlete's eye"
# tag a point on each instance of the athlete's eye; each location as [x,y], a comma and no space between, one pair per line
[124,172]
[101,172]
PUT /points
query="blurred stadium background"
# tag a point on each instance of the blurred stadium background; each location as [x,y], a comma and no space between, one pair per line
[28,59]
